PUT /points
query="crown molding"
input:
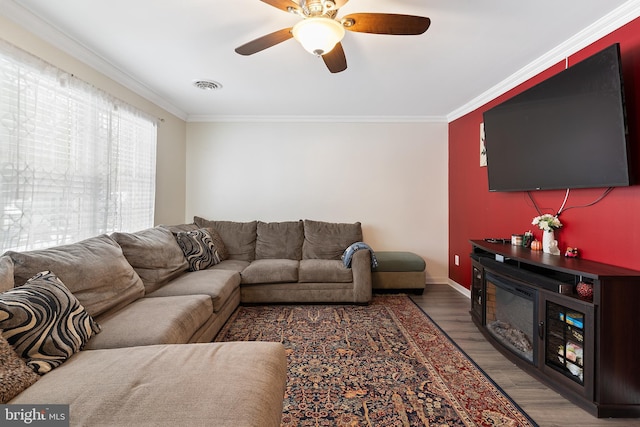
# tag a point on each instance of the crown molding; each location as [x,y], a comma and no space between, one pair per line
[602,27]
[317,119]
[56,37]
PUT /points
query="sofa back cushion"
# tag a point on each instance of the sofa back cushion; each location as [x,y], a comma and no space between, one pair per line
[279,240]
[328,240]
[154,254]
[239,237]
[6,273]
[95,271]
[176,228]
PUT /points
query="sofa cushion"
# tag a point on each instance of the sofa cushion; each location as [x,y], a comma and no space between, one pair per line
[154,254]
[217,240]
[399,261]
[44,322]
[328,240]
[279,240]
[232,264]
[324,270]
[6,273]
[239,237]
[271,271]
[148,321]
[94,270]
[218,284]
[219,384]
[198,249]
[15,375]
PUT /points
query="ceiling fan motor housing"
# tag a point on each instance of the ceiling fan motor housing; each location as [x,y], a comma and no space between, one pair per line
[319,8]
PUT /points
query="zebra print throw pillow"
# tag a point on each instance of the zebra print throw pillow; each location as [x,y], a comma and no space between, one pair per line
[44,322]
[198,249]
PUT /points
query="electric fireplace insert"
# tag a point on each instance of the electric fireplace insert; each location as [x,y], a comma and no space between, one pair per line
[511,314]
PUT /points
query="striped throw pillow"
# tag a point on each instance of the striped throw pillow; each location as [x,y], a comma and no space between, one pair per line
[198,249]
[44,322]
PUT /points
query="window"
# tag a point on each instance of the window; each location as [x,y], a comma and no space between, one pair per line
[74,161]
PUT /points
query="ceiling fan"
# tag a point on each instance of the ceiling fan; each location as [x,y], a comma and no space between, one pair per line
[321,33]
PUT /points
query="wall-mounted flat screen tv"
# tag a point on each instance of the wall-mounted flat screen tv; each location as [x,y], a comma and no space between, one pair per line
[568,131]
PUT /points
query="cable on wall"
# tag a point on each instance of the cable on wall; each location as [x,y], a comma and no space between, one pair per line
[564,202]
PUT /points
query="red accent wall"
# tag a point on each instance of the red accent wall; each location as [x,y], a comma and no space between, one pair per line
[607,232]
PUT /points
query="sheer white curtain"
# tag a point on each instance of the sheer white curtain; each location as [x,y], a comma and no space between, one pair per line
[74,161]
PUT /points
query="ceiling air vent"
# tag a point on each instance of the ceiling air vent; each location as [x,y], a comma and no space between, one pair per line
[207,85]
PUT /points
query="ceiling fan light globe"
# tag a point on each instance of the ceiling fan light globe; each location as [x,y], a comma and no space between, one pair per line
[318,35]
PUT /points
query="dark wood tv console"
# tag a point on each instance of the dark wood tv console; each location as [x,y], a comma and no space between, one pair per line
[587,349]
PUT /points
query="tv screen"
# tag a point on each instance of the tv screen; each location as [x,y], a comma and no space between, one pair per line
[568,131]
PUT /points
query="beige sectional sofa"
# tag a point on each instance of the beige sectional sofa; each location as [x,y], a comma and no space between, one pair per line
[152,361]
[294,261]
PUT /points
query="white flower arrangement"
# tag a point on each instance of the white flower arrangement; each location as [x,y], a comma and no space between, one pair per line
[547,222]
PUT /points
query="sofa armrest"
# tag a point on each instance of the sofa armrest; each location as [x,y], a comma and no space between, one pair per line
[361,269]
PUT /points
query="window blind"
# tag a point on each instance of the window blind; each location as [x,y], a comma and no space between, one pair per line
[75,162]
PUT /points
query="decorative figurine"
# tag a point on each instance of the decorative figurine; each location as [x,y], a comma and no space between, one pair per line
[571,252]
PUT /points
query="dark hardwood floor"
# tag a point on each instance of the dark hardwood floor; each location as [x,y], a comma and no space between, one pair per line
[450,309]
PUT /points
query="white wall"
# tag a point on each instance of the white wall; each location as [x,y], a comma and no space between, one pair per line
[170,175]
[392,177]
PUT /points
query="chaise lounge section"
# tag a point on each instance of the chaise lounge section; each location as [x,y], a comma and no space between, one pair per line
[222,384]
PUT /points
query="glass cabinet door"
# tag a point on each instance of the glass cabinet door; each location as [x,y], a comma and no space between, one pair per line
[568,341]
[564,342]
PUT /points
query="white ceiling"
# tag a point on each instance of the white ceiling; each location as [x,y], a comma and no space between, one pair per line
[473,50]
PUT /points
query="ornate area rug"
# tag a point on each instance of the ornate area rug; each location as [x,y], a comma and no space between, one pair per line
[385,364]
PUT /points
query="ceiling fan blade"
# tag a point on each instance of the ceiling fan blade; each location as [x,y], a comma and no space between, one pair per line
[286,5]
[386,23]
[335,60]
[261,43]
